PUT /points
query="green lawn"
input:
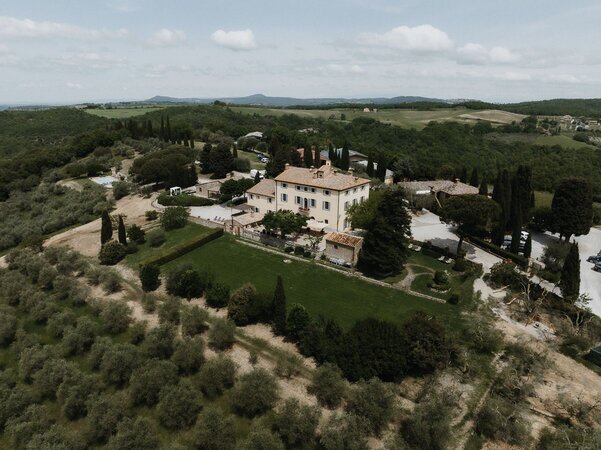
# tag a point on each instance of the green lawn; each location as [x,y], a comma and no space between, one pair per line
[322,291]
[254,164]
[122,113]
[178,237]
[564,140]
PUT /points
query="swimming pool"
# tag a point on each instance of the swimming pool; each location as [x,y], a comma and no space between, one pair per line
[104,181]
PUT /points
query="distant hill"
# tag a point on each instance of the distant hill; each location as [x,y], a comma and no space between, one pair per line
[264,100]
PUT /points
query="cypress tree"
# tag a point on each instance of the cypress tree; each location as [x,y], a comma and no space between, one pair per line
[463,176]
[506,205]
[235,151]
[570,275]
[572,207]
[528,246]
[279,308]
[474,179]
[532,200]
[381,169]
[317,158]
[168,130]
[149,276]
[257,177]
[516,215]
[307,157]
[345,158]
[274,146]
[483,187]
[162,130]
[106,229]
[370,166]
[149,131]
[121,231]
[331,155]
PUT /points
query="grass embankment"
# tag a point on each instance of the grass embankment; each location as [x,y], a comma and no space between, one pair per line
[322,291]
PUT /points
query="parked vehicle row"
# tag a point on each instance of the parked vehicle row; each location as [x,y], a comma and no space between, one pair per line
[596,260]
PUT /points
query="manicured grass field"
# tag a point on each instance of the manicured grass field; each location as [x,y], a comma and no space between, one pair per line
[564,140]
[121,113]
[254,164]
[322,291]
[190,232]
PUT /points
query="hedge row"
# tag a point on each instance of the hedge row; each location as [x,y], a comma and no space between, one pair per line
[518,259]
[182,249]
[184,200]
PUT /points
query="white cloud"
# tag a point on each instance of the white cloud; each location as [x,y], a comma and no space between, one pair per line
[72,85]
[167,38]
[235,40]
[422,38]
[11,27]
[471,53]
[564,78]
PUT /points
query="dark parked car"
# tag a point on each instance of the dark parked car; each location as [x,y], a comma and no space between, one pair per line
[597,267]
[594,259]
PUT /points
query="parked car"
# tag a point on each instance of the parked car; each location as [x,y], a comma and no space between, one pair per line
[597,267]
[594,259]
[265,160]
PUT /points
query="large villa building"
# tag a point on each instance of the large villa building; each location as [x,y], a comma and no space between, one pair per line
[321,194]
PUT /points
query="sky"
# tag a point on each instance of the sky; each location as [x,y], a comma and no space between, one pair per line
[70,51]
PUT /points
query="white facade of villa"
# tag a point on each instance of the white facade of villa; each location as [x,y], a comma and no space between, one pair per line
[320,194]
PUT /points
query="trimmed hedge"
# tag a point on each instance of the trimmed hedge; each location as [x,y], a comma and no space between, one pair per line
[184,200]
[182,249]
[520,260]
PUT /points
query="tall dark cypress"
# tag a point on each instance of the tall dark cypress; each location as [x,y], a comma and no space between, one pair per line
[370,166]
[168,130]
[463,176]
[474,179]
[106,229]
[307,156]
[121,231]
[162,130]
[516,214]
[381,169]
[317,157]
[483,190]
[149,132]
[345,158]
[570,275]
[528,246]
[279,308]
[506,204]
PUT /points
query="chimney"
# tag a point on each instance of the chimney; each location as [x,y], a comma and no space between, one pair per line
[328,163]
[286,166]
[457,180]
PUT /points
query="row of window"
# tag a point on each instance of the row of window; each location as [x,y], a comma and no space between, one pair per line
[326,192]
[355,201]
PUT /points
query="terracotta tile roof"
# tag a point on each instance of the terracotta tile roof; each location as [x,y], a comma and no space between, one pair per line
[264,187]
[344,239]
[325,178]
[446,186]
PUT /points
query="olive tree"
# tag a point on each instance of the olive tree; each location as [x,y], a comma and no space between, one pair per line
[178,406]
[296,423]
[188,355]
[255,393]
[217,375]
[214,431]
[116,317]
[147,381]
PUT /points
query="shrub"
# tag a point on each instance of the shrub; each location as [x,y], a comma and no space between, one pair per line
[56,437]
[169,311]
[499,420]
[73,394]
[134,434]
[441,277]
[188,355]
[328,385]
[151,214]
[214,430]
[453,299]
[147,381]
[137,332]
[50,376]
[288,249]
[298,250]
[14,401]
[217,375]
[110,280]
[118,362]
[104,414]
[178,406]
[342,431]
[297,322]
[288,365]
[184,281]
[159,341]
[116,317]
[217,295]
[136,234]
[156,238]
[20,429]
[8,327]
[261,438]
[111,253]
[460,265]
[240,304]
[149,303]
[221,334]
[255,393]
[120,189]
[79,339]
[99,348]
[373,401]
[184,200]
[194,320]
[174,217]
[149,277]
[60,322]
[296,423]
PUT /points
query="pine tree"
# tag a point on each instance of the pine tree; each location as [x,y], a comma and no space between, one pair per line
[570,275]
[106,229]
[308,157]
[474,179]
[279,308]
[121,231]
[528,246]
[370,166]
[483,186]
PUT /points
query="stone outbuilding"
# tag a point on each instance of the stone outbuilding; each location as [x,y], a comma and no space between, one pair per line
[343,248]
